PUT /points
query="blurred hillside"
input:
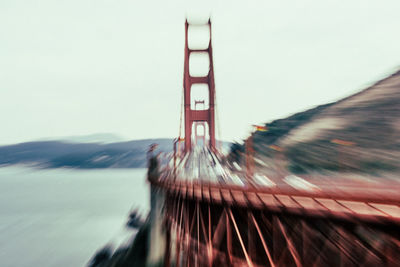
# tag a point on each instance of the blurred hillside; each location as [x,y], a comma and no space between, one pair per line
[360,133]
[84,153]
[54,154]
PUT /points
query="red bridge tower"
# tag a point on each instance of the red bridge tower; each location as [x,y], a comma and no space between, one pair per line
[207,116]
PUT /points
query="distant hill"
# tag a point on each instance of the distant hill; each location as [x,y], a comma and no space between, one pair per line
[71,154]
[358,133]
[54,154]
[91,138]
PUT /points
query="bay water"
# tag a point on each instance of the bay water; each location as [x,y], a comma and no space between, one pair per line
[60,217]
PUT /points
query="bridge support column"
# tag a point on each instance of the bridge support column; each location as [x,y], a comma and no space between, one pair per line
[191,115]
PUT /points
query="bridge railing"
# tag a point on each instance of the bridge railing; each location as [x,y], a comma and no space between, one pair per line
[200,175]
[273,225]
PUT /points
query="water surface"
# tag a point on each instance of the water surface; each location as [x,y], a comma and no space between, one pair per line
[61,217]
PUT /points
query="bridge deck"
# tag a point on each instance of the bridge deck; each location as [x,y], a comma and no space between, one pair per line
[368,206]
[201,176]
[216,215]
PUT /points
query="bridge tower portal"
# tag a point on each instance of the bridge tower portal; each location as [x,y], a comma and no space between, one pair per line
[205,116]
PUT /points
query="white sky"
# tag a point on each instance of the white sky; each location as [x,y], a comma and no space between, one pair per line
[78,67]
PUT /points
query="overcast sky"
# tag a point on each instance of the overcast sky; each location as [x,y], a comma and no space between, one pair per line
[79,67]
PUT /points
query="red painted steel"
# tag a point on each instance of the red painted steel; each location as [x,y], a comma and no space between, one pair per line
[280,225]
[333,223]
[207,115]
[199,137]
[339,205]
[287,231]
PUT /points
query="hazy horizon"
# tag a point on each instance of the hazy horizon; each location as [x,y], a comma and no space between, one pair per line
[84,67]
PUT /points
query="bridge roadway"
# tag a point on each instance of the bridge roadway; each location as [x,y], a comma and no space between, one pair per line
[348,222]
[374,200]
[379,203]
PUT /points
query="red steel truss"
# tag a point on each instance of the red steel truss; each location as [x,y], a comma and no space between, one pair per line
[224,225]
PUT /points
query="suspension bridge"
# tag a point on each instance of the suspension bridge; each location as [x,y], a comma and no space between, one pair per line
[206,212]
